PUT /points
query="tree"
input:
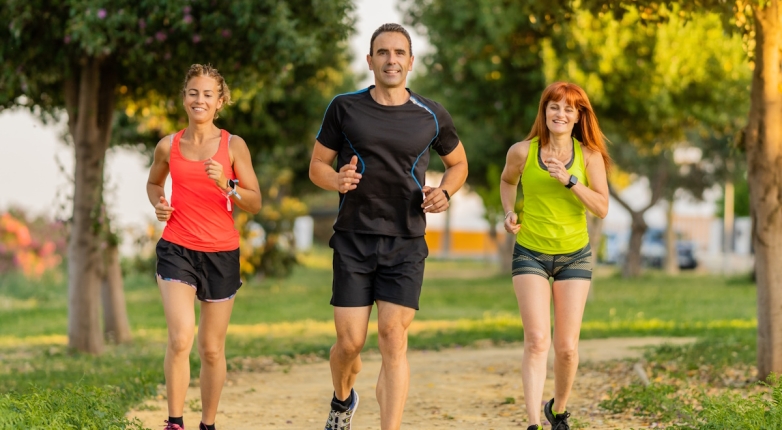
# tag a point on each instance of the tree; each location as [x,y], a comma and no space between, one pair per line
[88,57]
[760,23]
[489,70]
[648,95]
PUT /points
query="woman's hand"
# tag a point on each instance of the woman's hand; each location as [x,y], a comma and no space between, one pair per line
[163,210]
[214,171]
[511,220]
[557,170]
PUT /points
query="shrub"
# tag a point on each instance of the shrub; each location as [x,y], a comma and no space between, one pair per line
[78,407]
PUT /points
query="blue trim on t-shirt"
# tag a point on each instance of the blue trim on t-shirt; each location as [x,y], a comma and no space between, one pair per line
[332,101]
[437,133]
[363,167]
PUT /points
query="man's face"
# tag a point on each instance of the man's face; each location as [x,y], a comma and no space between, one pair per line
[390,60]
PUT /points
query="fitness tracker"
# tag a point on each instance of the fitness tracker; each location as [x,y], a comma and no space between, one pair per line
[573,181]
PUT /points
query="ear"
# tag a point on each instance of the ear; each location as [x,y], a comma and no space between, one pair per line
[412,60]
[369,61]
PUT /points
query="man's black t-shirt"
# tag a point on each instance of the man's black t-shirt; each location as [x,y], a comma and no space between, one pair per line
[392,144]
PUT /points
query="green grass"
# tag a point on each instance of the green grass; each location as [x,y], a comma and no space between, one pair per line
[461,302]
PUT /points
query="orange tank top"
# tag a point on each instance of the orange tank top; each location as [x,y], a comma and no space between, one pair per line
[202,218]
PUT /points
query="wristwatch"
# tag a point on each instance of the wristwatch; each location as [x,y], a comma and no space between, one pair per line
[232,183]
[447,197]
[573,181]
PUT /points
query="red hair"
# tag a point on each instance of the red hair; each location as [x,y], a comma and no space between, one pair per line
[586,130]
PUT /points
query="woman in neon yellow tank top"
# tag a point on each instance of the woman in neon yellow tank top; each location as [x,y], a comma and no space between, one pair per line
[562,166]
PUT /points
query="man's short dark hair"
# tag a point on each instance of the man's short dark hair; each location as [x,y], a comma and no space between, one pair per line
[391,27]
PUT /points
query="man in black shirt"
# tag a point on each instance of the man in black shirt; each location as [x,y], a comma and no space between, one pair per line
[381,137]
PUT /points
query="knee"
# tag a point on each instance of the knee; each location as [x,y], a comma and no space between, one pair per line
[211,355]
[348,346]
[566,353]
[180,343]
[536,343]
[392,340]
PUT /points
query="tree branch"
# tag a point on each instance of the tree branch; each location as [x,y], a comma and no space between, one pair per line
[657,186]
[615,195]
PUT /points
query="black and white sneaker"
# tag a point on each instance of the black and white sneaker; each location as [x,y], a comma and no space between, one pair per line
[339,420]
[558,421]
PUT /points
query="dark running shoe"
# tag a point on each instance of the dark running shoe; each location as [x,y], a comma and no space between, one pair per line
[202,426]
[172,426]
[535,427]
[342,420]
[558,422]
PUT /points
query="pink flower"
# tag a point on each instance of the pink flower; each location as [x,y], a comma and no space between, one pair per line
[226,33]
[196,38]
[160,36]
[101,13]
[142,24]
[66,39]
[186,10]
[188,19]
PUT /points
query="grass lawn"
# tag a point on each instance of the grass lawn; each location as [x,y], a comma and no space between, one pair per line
[461,302]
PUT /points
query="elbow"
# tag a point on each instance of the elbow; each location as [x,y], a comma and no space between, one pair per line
[602,213]
[257,208]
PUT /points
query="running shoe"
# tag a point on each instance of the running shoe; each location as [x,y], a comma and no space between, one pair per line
[342,420]
[172,426]
[202,426]
[558,422]
[535,427]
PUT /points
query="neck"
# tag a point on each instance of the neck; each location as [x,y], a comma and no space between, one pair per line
[390,96]
[197,133]
[560,142]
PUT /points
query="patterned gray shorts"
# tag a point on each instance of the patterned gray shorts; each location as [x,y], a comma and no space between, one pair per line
[576,265]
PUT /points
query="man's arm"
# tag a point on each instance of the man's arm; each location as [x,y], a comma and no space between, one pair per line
[453,179]
[322,172]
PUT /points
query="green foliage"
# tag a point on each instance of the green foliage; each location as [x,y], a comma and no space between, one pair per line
[77,407]
[284,61]
[655,400]
[647,93]
[733,410]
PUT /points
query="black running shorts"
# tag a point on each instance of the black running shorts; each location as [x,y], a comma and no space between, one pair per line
[214,275]
[369,267]
[561,267]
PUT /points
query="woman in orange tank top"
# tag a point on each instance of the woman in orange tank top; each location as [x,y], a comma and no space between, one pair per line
[198,255]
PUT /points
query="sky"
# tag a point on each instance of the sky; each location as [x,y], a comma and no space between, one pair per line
[37,165]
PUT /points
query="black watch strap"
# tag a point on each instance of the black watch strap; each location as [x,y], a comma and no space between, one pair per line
[572,181]
[447,196]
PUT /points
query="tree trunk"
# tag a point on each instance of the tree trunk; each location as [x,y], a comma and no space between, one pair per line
[90,103]
[671,254]
[632,263]
[116,327]
[764,156]
[632,266]
[595,228]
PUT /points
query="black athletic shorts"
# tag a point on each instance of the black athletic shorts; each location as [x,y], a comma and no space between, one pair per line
[370,267]
[561,267]
[214,275]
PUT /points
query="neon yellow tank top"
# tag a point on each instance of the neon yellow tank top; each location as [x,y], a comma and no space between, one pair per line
[553,219]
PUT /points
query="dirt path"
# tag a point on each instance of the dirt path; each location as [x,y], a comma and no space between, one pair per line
[454,388]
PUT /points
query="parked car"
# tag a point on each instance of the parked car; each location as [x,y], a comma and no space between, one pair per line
[653,250]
